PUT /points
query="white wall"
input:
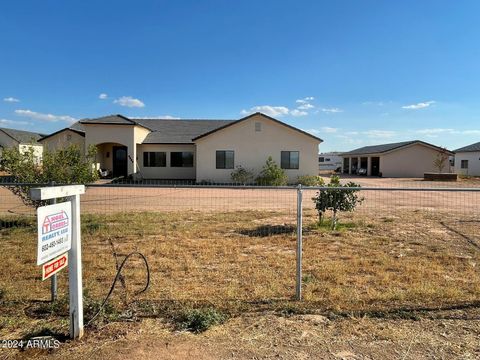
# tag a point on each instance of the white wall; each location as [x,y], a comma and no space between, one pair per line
[411,161]
[473,158]
[253,148]
[168,172]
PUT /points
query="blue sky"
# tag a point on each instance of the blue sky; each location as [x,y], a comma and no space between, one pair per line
[352,72]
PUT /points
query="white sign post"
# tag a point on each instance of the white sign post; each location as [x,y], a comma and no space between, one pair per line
[72,193]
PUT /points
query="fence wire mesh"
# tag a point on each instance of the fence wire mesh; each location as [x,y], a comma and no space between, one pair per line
[402,247]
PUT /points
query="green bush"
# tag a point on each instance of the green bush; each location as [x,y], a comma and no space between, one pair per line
[241,175]
[66,166]
[337,198]
[310,180]
[199,320]
[272,174]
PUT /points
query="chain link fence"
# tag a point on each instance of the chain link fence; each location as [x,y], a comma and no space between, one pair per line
[237,244]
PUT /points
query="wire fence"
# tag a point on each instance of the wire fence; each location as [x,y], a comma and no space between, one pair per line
[405,246]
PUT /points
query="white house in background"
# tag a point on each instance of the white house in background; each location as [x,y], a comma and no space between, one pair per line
[467,160]
[404,159]
[331,161]
[207,150]
[22,140]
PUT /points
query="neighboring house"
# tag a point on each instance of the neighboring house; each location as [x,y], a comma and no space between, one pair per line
[73,135]
[22,140]
[207,150]
[403,159]
[329,161]
[467,160]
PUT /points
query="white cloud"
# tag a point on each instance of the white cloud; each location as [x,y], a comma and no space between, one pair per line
[421,105]
[332,110]
[379,133]
[13,122]
[305,100]
[268,110]
[306,106]
[328,129]
[129,101]
[297,113]
[45,117]
[11,99]
[103,96]
[434,132]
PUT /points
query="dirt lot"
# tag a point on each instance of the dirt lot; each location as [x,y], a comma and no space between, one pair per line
[398,279]
[126,199]
[400,285]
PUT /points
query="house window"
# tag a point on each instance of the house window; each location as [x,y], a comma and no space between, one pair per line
[321,159]
[258,126]
[181,159]
[290,159]
[225,159]
[154,159]
[464,164]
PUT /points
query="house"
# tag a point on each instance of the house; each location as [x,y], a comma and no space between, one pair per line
[331,161]
[207,150]
[467,160]
[402,159]
[22,140]
[73,135]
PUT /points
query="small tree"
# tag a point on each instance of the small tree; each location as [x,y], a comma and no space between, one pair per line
[65,166]
[440,160]
[241,175]
[337,198]
[272,174]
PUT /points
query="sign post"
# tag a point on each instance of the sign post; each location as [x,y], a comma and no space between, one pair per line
[72,193]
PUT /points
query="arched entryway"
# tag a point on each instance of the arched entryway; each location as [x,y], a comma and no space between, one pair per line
[112,159]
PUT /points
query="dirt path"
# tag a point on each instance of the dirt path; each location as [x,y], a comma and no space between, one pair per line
[452,335]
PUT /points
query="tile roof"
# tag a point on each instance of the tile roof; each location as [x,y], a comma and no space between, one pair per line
[177,131]
[168,131]
[22,136]
[377,149]
[469,148]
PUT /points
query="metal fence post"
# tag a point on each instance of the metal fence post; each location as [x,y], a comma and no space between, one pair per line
[53,281]
[298,287]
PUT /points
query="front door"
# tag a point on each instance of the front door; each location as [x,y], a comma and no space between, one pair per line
[120,164]
[375,166]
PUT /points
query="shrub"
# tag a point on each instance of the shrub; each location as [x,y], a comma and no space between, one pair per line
[241,175]
[272,174]
[338,198]
[310,180]
[65,166]
[199,320]
[441,160]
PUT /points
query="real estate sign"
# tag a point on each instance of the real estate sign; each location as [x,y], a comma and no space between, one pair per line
[54,231]
[52,267]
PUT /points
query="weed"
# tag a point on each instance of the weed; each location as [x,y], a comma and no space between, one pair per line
[200,320]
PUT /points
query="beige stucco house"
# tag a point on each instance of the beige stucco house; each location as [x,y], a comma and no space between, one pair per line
[467,160]
[73,135]
[198,150]
[22,140]
[403,159]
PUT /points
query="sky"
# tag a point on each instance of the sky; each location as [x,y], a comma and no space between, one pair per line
[352,72]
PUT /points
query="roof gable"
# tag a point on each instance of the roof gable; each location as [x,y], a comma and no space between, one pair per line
[22,136]
[250,116]
[469,148]
[383,148]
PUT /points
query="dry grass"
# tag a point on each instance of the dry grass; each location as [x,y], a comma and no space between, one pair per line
[246,261]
